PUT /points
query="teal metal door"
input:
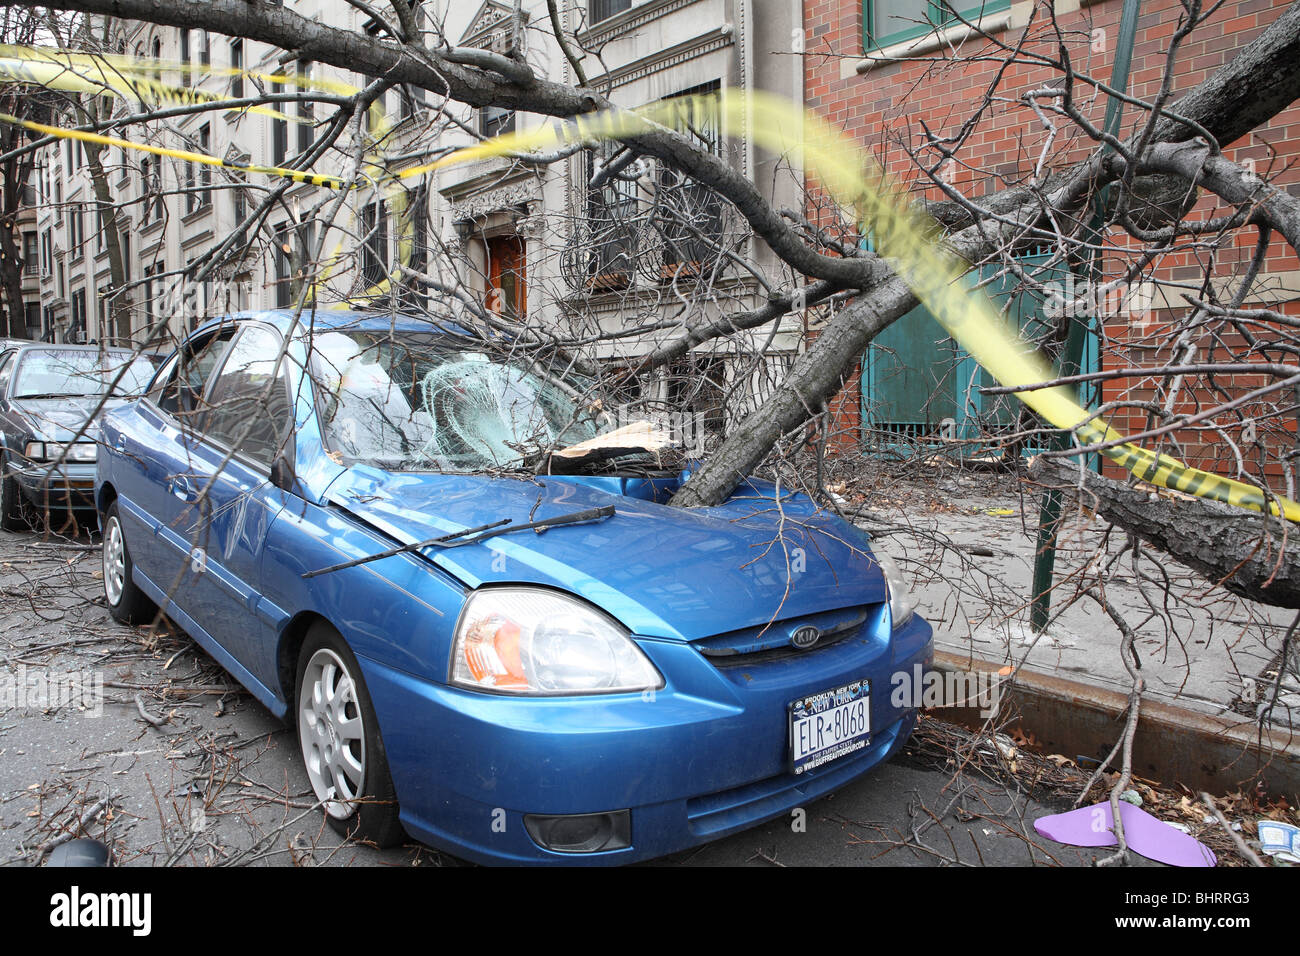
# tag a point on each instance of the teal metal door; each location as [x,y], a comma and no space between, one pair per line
[920,389]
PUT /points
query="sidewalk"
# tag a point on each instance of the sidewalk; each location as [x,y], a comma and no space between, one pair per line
[968,547]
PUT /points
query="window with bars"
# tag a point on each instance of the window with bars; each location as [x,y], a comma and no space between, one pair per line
[612,211]
[688,216]
[374,243]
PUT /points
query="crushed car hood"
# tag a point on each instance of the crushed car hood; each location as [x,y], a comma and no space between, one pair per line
[663,571]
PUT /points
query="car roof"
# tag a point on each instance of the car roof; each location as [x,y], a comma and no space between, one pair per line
[25,345]
[338,319]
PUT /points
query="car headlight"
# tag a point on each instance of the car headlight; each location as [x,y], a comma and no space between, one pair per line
[81,451]
[536,642]
[900,598]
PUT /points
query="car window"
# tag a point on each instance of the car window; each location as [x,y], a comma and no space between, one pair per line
[249,408]
[6,369]
[65,373]
[179,389]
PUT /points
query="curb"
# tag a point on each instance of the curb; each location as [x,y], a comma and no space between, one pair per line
[1218,754]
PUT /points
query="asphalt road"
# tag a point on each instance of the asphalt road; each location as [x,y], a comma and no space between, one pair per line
[170,762]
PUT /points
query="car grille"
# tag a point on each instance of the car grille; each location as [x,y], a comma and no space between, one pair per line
[772,642]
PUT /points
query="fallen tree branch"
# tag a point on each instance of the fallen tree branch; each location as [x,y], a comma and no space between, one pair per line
[1252,555]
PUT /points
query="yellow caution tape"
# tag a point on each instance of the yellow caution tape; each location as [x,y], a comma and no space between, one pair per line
[903,232]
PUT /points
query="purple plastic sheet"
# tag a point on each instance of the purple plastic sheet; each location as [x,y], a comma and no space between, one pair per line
[1145,834]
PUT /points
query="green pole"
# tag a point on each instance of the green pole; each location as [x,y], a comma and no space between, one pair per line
[1049,517]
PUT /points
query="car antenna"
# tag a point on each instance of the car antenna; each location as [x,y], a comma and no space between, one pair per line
[482,532]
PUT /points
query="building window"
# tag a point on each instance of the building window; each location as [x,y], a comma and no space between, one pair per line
[412,100]
[185,57]
[598,10]
[47,252]
[237,64]
[374,243]
[239,212]
[77,331]
[415,295]
[198,176]
[493,121]
[151,191]
[688,216]
[279,141]
[892,21]
[611,224]
[151,279]
[306,118]
[31,255]
[283,267]
[76,231]
[205,48]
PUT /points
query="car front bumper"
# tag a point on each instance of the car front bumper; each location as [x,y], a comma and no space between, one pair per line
[69,485]
[706,756]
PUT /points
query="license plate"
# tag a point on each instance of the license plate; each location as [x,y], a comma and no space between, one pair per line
[829,725]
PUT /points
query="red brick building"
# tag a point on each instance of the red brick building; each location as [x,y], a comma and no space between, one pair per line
[873,69]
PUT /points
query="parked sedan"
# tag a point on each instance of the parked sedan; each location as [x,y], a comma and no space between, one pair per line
[50,396]
[356,516]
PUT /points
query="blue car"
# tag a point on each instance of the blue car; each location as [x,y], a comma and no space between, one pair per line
[436,556]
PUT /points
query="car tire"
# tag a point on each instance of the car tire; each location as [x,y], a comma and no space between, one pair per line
[126,602]
[338,736]
[13,509]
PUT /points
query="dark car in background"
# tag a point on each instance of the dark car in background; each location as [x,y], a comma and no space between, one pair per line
[50,399]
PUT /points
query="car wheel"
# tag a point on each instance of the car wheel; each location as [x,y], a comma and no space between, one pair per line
[12,510]
[339,737]
[126,602]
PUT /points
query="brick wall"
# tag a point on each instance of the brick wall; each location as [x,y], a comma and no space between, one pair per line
[885,107]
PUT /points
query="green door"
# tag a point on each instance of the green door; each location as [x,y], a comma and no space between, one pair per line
[920,389]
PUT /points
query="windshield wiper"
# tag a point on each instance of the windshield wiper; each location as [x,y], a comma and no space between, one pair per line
[475,535]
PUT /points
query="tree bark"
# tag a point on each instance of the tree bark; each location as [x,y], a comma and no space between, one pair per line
[1254,556]
[107,219]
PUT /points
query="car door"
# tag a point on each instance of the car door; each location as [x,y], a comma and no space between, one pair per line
[247,425]
[150,448]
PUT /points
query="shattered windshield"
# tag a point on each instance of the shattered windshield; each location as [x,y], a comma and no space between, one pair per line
[420,401]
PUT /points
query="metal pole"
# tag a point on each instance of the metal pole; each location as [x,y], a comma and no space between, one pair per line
[1049,518]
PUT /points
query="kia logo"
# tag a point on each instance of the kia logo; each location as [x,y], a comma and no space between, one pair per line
[805,637]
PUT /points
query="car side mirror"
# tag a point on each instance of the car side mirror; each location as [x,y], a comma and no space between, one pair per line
[282,474]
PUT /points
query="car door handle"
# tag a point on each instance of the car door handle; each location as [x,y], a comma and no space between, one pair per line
[180,487]
[188,487]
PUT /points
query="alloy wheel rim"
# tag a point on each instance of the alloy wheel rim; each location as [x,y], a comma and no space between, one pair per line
[332,734]
[114,562]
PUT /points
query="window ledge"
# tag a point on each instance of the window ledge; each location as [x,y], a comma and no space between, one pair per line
[934,40]
[197,213]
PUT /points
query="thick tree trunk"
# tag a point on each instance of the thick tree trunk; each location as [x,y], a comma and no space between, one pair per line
[1251,555]
[15,173]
